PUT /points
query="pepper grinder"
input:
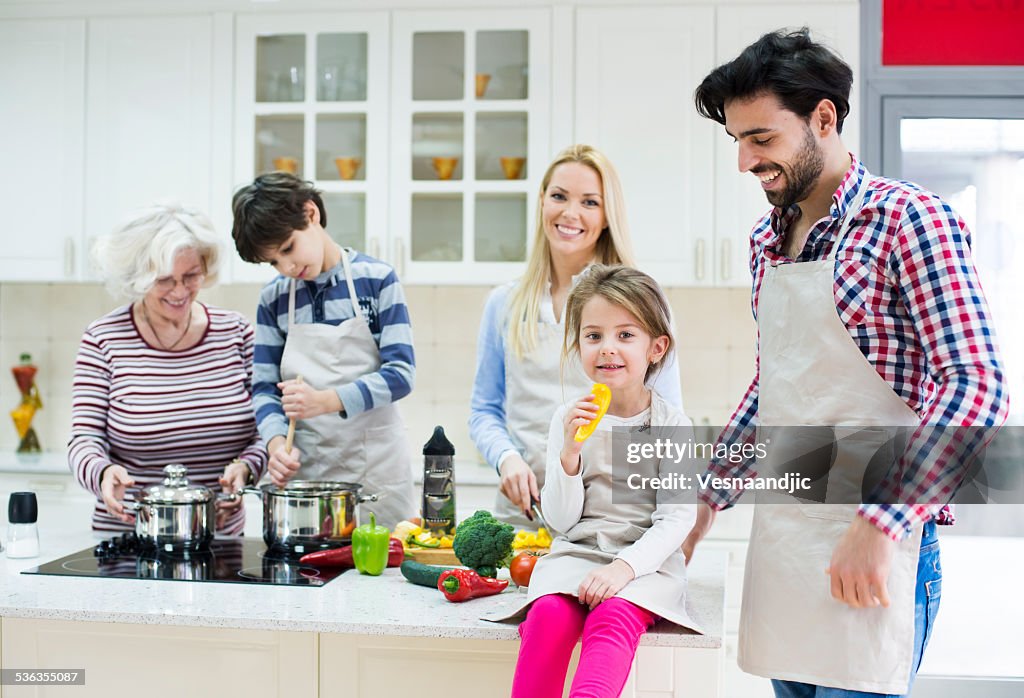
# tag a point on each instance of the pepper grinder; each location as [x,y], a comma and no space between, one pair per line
[22,534]
[439,484]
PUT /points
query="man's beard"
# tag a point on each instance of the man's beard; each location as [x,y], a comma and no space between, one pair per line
[801,176]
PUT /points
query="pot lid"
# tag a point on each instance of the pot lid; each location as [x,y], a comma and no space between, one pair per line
[313,488]
[175,489]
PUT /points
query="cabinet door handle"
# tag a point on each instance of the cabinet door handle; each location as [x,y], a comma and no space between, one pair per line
[399,260]
[726,263]
[69,257]
[699,262]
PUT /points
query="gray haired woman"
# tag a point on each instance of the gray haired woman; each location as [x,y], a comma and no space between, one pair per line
[165,378]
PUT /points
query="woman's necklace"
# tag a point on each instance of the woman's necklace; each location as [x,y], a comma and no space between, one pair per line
[156,335]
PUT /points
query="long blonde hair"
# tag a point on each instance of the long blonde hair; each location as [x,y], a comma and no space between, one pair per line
[613,246]
[631,289]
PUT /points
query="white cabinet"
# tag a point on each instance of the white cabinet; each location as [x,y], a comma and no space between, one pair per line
[635,73]
[149,117]
[469,123]
[42,117]
[690,210]
[311,97]
[739,201]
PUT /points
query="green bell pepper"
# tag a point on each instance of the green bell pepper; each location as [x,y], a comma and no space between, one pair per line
[370,547]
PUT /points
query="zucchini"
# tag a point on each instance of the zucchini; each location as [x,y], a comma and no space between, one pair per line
[423,575]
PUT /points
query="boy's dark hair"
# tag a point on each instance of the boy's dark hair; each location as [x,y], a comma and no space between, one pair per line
[791,66]
[267,212]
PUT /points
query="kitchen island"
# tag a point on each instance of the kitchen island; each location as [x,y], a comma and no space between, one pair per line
[374,636]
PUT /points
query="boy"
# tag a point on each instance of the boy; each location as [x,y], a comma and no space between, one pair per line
[334,348]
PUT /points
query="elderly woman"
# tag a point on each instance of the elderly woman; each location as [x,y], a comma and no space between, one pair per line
[164,379]
[520,382]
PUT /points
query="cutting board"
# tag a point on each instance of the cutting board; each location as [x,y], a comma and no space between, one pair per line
[446,556]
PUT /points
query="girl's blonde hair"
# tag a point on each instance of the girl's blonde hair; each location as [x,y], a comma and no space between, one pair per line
[628,288]
[613,246]
[131,258]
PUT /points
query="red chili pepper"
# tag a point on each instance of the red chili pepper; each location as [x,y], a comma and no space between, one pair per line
[342,557]
[461,585]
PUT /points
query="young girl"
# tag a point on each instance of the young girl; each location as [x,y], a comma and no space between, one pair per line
[616,566]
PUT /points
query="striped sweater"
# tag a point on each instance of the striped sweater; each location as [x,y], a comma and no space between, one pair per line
[142,407]
[325,299]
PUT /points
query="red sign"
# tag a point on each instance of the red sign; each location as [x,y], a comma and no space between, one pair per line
[953,32]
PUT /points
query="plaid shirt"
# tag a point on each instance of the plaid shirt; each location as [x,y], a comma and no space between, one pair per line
[907,290]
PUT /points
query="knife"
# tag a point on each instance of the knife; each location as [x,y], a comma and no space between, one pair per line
[534,502]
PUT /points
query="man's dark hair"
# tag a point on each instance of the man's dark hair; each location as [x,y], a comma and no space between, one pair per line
[267,212]
[791,66]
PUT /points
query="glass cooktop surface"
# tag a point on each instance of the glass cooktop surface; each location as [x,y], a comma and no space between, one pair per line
[229,560]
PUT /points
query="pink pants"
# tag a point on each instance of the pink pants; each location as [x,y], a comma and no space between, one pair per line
[554,623]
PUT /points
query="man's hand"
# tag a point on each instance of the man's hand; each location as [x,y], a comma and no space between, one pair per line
[282,465]
[299,400]
[518,483]
[605,582]
[860,566]
[705,517]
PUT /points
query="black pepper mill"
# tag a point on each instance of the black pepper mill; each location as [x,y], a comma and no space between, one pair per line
[439,484]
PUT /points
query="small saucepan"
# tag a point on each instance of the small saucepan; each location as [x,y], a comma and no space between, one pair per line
[176,516]
[308,515]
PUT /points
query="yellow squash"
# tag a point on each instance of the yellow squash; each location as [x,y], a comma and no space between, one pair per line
[603,397]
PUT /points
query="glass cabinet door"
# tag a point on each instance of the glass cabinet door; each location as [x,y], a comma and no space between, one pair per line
[469,93]
[312,100]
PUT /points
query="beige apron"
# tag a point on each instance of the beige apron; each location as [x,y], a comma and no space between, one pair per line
[813,373]
[534,388]
[369,448]
[606,528]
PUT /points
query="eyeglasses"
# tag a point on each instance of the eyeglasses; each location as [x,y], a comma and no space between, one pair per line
[189,281]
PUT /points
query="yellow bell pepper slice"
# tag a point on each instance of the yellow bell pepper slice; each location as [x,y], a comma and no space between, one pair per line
[603,397]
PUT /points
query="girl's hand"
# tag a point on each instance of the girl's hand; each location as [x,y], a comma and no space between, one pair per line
[234,478]
[113,482]
[576,416]
[605,582]
[518,482]
[300,400]
[282,465]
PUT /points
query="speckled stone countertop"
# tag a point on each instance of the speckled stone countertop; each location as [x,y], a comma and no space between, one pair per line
[351,603]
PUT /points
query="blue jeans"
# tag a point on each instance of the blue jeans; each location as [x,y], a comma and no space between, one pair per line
[926,605]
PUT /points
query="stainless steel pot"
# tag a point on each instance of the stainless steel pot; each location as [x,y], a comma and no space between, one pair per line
[175,516]
[308,515]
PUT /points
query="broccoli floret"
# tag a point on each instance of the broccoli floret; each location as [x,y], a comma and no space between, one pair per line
[484,543]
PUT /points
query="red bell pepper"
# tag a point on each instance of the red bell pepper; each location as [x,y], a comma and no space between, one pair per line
[342,557]
[461,585]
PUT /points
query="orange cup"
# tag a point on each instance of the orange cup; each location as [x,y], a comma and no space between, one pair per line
[481,83]
[286,164]
[445,167]
[513,167]
[348,167]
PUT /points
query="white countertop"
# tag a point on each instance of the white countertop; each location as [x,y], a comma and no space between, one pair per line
[351,603]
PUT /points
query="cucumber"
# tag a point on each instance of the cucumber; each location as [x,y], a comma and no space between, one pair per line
[423,575]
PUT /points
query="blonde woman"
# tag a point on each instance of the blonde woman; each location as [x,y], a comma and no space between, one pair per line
[163,379]
[519,383]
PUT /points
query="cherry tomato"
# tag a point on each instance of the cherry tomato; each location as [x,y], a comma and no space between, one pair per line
[521,568]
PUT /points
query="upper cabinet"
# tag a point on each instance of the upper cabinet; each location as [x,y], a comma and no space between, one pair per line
[690,209]
[469,134]
[150,112]
[635,73]
[42,117]
[311,98]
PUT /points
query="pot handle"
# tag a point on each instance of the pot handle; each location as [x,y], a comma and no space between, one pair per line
[248,489]
[229,496]
[132,504]
[369,498]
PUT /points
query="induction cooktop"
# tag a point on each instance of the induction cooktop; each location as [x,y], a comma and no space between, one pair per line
[229,560]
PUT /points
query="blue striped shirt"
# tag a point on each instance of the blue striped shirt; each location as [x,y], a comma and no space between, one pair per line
[325,299]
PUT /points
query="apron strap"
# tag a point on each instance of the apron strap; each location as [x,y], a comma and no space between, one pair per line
[291,304]
[345,251]
[855,207]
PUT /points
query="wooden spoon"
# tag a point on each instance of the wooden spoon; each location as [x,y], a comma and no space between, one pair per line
[291,428]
